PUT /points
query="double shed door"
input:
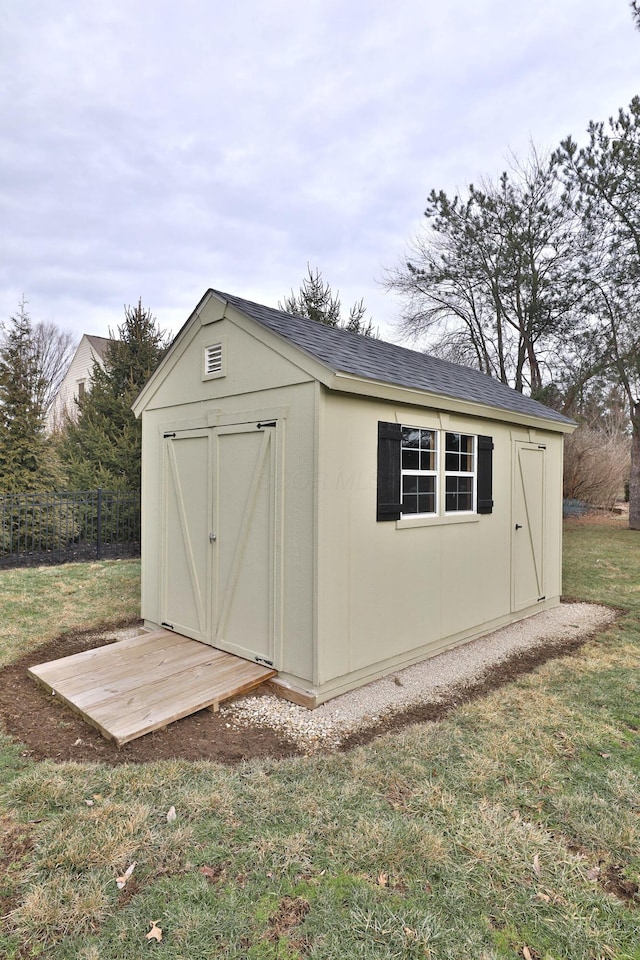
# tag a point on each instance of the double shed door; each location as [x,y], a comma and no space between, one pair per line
[221,537]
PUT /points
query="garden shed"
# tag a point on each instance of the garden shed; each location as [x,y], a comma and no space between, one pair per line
[335,506]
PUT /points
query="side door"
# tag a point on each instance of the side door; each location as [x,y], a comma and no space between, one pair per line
[528,524]
[247,582]
[186,523]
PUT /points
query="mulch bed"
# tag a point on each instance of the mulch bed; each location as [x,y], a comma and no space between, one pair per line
[50,730]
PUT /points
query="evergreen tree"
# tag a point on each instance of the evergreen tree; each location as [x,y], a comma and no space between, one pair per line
[316,301]
[27,458]
[103,448]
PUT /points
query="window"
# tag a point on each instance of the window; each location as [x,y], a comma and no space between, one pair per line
[419,465]
[459,472]
[81,389]
[432,473]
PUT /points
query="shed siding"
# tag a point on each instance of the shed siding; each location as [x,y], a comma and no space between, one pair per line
[184,400]
[393,592]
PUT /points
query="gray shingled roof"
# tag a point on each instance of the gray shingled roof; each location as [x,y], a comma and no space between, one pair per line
[346,352]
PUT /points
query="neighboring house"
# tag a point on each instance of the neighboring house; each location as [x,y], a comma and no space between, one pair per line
[76,380]
[337,506]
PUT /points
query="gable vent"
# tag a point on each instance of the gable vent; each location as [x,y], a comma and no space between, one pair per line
[213,360]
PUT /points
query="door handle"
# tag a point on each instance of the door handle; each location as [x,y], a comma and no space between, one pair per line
[212,537]
[518,526]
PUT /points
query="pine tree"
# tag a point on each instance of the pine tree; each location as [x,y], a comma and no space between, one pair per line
[103,448]
[316,301]
[27,458]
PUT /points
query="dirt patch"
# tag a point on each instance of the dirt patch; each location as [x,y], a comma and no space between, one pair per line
[290,913]
[50,730]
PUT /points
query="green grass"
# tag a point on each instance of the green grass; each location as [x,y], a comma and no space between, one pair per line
[41,603]
[477,836]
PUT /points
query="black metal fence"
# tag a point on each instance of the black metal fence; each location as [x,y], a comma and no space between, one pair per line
[38,528]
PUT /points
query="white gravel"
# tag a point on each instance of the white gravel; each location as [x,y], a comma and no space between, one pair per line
[428,682]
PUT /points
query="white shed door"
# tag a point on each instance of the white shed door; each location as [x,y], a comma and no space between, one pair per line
[528,524]
[247,524]
[186,567]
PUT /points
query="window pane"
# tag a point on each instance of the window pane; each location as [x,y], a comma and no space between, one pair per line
[458,494]
[427,460]
[452,462]
[410,460]
[410,484]
[410,437]
[410,504]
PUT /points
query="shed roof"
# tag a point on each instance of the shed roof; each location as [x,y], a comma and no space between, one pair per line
[355,354]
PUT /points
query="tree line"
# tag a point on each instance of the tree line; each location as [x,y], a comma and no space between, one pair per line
[99,445]
[533,278]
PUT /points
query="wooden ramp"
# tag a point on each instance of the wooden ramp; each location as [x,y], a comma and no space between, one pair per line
[131,687]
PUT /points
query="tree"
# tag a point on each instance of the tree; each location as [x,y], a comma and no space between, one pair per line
[27,458]
[603,183]
[54,349]
[491,279]
[635,12]
[316,301]
[103,447]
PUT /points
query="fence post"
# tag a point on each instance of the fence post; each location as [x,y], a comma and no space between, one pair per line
[99,530]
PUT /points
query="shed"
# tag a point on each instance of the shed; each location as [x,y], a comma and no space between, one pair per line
[336,506]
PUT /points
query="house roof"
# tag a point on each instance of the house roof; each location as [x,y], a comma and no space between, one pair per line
[355,354]
[98,344]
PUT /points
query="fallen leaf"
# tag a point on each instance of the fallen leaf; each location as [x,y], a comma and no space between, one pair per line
[543,896]
[409,933]
[383,879]
[526,953]
[171,814]
[427,887]
[537,869]
[212,873]
[89,803]
[77,742]
[605,756]
[593,874]
[121,881]
[156,932]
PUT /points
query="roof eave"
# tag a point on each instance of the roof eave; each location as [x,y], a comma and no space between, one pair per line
[361,386]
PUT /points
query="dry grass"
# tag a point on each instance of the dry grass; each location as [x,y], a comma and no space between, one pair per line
[512,825]
[41,603]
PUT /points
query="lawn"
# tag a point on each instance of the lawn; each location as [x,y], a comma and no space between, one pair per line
[510,829]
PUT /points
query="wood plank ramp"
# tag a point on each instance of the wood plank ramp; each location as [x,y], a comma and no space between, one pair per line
[140,684]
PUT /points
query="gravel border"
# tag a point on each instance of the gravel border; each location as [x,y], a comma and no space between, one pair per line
[431,681]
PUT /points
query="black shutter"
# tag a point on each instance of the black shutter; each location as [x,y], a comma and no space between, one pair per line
[485,475]
[389,440]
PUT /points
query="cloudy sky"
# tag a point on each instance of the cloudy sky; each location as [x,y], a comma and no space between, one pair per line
[156,148]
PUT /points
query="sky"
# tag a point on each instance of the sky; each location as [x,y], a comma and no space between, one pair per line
[152,149]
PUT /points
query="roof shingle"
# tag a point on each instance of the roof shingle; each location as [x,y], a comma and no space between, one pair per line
[352,353]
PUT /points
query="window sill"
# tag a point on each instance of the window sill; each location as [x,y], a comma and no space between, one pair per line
[437,521]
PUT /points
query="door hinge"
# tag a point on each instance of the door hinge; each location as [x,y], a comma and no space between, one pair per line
[271,423]
[169,626]
[169,435]
[541,598]
[268,663]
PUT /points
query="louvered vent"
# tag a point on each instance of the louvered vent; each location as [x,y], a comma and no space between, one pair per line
[213,360]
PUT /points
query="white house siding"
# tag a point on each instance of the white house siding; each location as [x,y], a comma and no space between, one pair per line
[80,369]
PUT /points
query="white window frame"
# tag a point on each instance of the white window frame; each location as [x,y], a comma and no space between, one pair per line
[418,472]
[471,475]
[441,474]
